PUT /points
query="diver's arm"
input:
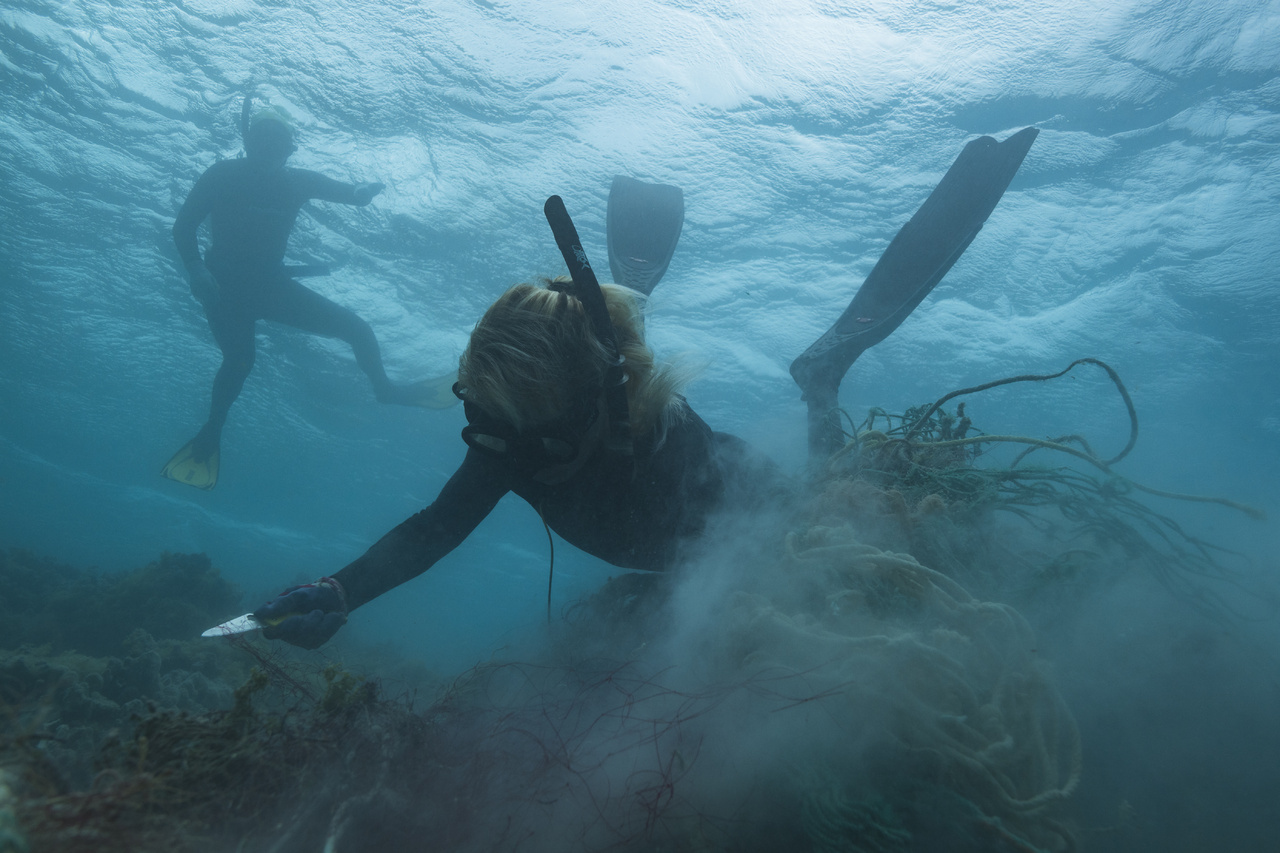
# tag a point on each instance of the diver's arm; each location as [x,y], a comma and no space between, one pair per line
[318,186]
[194,210]
[415,545]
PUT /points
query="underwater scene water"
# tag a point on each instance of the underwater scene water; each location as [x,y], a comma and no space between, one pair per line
[942,641]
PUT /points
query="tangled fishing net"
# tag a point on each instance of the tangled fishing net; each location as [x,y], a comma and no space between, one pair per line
[860,682]
[917,482]
[844,698]
[972,725]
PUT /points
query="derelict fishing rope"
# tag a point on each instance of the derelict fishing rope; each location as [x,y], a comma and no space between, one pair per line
[1031,377]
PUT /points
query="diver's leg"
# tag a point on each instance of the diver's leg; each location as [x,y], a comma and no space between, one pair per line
[307,310]
[915,261]
[233,330]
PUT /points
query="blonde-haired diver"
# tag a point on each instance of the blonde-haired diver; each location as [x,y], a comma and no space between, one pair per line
[567,408]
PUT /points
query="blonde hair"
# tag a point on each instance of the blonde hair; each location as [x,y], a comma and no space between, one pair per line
[534,357]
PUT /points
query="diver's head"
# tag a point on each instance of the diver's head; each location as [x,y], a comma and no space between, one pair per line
[534,363]
[269,139]
[533,358]
[534,373]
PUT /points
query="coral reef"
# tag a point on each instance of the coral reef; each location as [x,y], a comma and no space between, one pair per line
[876,693]
[125,733]
[173,598]
[82,653]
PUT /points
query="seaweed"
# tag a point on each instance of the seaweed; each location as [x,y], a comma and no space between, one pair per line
[225,779]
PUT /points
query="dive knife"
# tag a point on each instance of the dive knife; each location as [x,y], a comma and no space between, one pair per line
[238,625]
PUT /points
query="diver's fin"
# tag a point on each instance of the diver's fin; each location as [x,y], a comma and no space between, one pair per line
[643,226]
[434,393]
[189,465]
[916,260]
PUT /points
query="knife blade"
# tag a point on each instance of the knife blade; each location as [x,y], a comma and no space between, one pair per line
[239,625]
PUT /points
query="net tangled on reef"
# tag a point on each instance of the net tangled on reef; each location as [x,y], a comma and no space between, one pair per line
[916,482]
[845,698]
[971,716]
[859,682]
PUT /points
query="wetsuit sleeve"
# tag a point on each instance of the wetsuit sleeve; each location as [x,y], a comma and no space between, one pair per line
[194,210]
[323,188]
[416,544]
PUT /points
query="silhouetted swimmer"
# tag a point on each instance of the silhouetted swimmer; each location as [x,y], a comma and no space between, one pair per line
[252,204]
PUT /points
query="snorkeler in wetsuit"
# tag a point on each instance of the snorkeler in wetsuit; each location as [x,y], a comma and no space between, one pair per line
[611,456]
[252,204]
[567,408]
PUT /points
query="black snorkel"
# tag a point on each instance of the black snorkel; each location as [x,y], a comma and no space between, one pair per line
[245,111]
[587,289]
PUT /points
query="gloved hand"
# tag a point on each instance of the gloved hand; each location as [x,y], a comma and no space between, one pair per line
[306,615]
[204,286]
[365,192]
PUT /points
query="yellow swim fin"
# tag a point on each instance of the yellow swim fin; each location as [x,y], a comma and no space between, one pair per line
[434,393]
[437,393]
[193,468]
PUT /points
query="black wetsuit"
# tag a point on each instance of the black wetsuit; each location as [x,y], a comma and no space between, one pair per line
[633,514]
[252,211]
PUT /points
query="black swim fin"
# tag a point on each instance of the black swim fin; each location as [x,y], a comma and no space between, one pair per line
[916,260]
[643,225]
[194,465]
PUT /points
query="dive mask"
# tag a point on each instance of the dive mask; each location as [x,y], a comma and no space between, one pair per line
[550,453]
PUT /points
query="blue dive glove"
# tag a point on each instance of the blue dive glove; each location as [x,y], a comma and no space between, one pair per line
[366,192]
[306,615]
